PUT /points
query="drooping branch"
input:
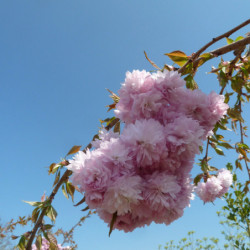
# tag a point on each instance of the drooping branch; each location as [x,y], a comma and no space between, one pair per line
[214,40]
[64,178]
[242,140]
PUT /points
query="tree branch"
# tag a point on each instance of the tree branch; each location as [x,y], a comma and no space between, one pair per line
[214,40]
[223,50]
[242,140]
[51,197]
[233,46]
[65,176]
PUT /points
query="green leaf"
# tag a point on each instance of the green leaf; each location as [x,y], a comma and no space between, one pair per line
[117,127]
[225,145]
[21,243]
[242,145]
[38,242]
[205,57]
[70,189]
[51,167]
[236,84]
[229,167]
[114,217]
[64,191]
[107,120]
[113,96]
[55,168]
[178,57]
[219,137]
[53,247]
[243,152]
[80,202]
[13,237]
[74,150]
[51,213]
[238,165]
[238,38]
[190,83]
[35,214]
[229,40]
[45,235]
[85,209]
[34,203]
[151,62]
[188,69]
[227,97]
[111,106]
[222,79]
[219,151]
[53,241]
[235,114]
[197,179]
[231,217]
[168,67]
[57,178]
[211,168]
[47,226]
[221,125]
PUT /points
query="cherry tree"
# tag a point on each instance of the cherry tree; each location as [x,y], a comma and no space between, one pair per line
[136,170]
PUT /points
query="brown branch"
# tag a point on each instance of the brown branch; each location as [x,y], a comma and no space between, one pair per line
[206,155]
[51,197]
[233,46]
[68,234]
[242,140]
[223,50]
[214,40]
[65,176]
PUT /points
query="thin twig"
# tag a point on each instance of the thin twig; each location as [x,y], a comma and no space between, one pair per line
[67,235]
[206,155]
[40,219]
[208,141]
[214,40]
[242,140]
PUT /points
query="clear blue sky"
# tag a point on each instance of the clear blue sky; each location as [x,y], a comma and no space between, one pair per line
[57,58]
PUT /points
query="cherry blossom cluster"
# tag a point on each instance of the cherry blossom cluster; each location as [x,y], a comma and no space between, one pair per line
[143,174]
[214,187]
[46,246]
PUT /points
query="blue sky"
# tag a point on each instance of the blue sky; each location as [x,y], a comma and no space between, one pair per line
[57,58]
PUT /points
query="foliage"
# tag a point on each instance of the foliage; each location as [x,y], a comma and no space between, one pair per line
[5,238]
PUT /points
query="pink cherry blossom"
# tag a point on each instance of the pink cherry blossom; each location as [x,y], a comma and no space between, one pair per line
[215,187]
[209,190]
[46,246]
[123,194]
[104,136]
[226,180]
[143,174]
[146,141]
[162,191]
